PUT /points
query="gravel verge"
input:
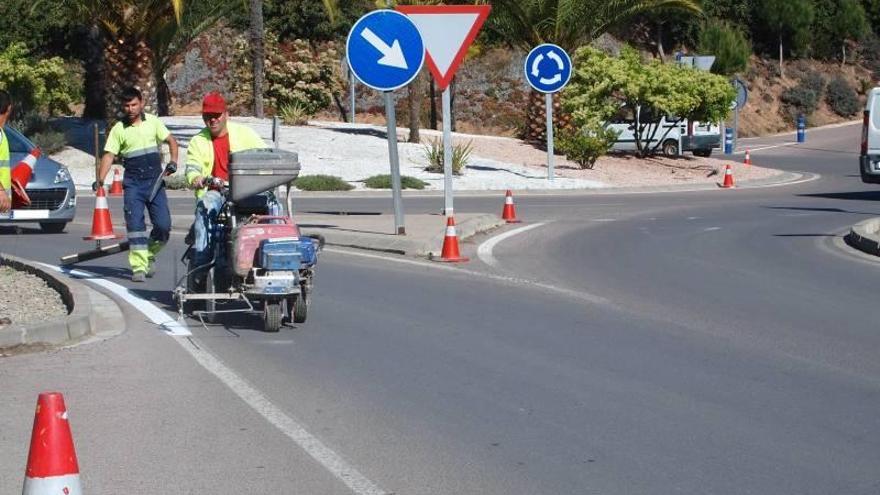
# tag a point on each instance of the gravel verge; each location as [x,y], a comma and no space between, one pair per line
[26,299]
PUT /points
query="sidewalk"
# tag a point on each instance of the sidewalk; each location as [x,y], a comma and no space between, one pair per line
[375,232]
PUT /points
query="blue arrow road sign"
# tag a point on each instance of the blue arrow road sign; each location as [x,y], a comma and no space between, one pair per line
[385,50]
[548,68]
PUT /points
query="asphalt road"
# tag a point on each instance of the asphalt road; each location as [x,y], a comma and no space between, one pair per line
[704,342]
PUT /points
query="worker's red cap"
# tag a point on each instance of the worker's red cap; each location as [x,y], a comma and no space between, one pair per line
[213,103]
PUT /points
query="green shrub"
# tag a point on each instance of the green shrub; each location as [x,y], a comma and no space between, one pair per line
[586,146]
[49,142]
[176,182]
[842,98]
[461,156]
[296,74]
[798,100]
[384,182]
[294,113]
[814,81]
[40,86]
[321,183]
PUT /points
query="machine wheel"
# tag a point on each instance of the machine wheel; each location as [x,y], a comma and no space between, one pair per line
[670,148]
[272,315]
[210,304]
[52,227]
[300,309]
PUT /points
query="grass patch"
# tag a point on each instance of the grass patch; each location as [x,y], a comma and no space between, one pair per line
[321,183]
[384,182]
[461,156]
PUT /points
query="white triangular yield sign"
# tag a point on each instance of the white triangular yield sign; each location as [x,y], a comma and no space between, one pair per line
[447,31]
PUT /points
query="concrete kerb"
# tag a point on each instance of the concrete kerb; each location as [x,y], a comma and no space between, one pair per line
[865,236]
[79,323]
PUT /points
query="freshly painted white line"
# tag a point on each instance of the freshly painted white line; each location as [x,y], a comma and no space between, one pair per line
[326,457]
[711,229]
[148,309]
[604,219]
[329,459]
[752,150]
[532,284]
[484,252]
[806,178]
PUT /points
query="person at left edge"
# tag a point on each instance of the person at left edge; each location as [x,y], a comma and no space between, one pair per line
[137,139]
[5,174]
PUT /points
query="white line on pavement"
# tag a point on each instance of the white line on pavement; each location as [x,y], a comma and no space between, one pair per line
[580,295]
[752,150]
[484,252]
[330,460]
[711,229]
[148,309]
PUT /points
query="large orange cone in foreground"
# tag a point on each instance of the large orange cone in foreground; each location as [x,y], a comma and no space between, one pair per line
[450,252]
[102,226]
[51,465]
[116,186]
[508,214]
[728,178]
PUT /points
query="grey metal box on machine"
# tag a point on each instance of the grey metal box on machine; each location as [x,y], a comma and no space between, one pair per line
[255,171]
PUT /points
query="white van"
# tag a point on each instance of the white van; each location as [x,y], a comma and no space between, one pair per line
[869,158]
[701,139]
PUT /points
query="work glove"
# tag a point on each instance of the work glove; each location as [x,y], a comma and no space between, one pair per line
[96,185]
[171,168]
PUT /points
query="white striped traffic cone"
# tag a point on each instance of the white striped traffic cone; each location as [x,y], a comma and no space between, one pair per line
[508,214]
[102,225]
[21,175]
[450,252]
[51,466]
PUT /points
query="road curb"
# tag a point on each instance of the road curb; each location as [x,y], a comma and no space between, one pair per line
[865,236]
[79,323]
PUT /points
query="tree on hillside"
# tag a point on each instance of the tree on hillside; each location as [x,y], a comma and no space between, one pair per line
[847,24]
[728,44]
[569,24]
[789,20]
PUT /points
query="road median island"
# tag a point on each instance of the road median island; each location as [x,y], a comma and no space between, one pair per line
[865,236]
[54,310]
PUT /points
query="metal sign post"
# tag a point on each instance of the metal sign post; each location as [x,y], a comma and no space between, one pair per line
[548,101]
[351,106]
[448,209]
[742,96]
[548,69]
[448,31]
[391,118]
[386,52]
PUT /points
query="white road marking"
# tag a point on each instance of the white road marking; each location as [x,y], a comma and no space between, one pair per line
[484,252]
[579,295]
[694,218]
[770,147]
[711,229]
[326,457]
[603,219]
[156,315]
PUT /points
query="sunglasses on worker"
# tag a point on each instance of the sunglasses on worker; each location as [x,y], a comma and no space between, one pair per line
[207,117]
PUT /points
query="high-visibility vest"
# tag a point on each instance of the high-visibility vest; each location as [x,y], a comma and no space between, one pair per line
[200,152]
[5,170]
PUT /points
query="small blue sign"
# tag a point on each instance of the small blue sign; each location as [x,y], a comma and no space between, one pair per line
[385,50]
[547,68]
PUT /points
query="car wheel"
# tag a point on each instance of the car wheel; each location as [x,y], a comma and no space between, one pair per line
[53,227]
[670,148]
[703,153]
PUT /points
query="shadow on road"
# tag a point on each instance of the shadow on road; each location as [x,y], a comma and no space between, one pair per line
[821,210]
[854,195]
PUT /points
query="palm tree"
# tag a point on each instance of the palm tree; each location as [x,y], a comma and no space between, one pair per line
[569,24]
[258,53]
[132,43]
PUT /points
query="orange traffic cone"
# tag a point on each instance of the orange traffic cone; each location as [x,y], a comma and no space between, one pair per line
[102,226]
[51,465]
[116,186]
[23,172]
[509,212]
[728,178]
[450,252]
[748,159]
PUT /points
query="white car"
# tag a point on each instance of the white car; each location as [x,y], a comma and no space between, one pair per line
[673,137]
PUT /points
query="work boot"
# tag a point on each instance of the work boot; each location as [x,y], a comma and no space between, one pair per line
[138,277]
[151,269]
